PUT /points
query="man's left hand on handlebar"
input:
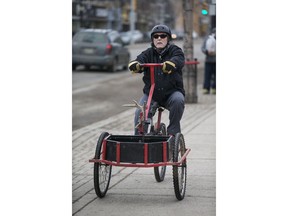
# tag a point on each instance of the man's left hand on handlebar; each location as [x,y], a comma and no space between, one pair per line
[168,67]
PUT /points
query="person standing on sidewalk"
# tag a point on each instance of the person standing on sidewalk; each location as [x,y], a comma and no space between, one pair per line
[169,91]
[209,49]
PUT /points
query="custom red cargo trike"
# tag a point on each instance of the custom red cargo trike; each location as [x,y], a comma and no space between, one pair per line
[151,148]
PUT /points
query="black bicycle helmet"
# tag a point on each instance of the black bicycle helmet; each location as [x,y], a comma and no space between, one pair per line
[161,28]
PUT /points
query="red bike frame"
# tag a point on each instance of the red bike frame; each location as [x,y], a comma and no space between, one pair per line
[152,79]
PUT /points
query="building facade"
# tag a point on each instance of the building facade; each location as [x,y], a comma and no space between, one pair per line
[116,14]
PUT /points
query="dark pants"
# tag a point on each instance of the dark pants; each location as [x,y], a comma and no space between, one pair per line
[210,76]
[175,104]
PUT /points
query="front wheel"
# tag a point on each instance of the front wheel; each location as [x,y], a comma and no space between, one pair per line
[159,172]
[102,171]
[179,171]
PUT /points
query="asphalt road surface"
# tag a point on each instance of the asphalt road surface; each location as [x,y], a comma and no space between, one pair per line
[104,97]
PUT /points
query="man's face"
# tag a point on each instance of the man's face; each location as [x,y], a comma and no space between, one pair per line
[160,40]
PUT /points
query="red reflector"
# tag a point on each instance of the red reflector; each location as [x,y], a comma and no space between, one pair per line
[109,48]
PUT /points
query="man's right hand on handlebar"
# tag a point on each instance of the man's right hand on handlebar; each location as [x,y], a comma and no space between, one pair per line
[135,67]
[168,67]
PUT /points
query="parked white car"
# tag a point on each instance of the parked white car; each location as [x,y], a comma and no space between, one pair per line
[132,37]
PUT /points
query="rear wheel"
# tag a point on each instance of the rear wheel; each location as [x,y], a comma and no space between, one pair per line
[159,172]
[179,171]
[127,60]
[102,172]
[113,66]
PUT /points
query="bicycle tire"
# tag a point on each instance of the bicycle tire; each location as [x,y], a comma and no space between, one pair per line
[179,172]
[159,172]
[102,172]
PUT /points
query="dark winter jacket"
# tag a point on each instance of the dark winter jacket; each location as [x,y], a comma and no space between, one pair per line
[165,84]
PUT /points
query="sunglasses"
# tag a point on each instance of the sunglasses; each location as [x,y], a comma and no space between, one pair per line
[156,36]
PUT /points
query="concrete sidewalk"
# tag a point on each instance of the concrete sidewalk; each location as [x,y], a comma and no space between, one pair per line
[138,187]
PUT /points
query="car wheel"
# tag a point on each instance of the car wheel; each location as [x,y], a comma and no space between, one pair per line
[87,67]
[112,68]
[125,66]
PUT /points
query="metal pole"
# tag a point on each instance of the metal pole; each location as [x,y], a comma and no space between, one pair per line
[132,18]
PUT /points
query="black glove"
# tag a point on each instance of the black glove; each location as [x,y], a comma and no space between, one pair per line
[135,67]
[168,67]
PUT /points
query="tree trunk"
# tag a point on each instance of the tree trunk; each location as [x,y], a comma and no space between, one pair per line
[190,72]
